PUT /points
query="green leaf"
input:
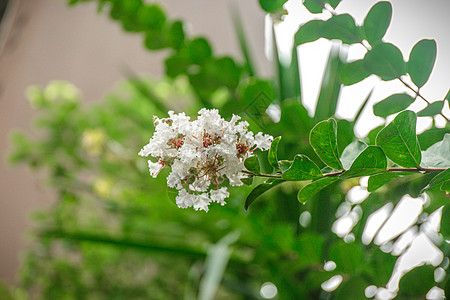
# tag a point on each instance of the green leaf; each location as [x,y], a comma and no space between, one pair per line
[439,180]
[330,88]
[247,180]
[381,267]
[445,224]
[311,246]
[316,6]
[377,22]
[258,191]
[272,155]
[432,109]
[151,16]
[349,258]
[351,152]
[314,187]
[252,164]
[378,180]
[346,134]
[352,289]
[302,168]
[417,282]
[399,141]
[272,6]
[354,72]
[421,61]
[323,140]
[386,61]
[371,161]
[199,50]
[438,155]
[309,32]
[285,164]
[432,136]
[392,104]
[343,28]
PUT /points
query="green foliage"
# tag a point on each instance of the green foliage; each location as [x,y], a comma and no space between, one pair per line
[324,142]
[371,161]
[252,164]
[386,61]
[302,168]
[392,104]
[377,22]
[421,61]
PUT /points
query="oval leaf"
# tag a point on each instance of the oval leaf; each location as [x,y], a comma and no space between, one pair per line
[272,155]
[399,141]
[309,32]
[317,6]
[258,191]
[354,72]
[392,104]
[314,187]
[323,140]
[421,61]
[377,22]
[302,169]
[272,6]
[386,61]
[440,179]
[343,28]
[378,180]
[432,109]
[371,161]
[252,164]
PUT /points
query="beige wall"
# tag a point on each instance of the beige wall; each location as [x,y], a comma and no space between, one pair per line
[52,41]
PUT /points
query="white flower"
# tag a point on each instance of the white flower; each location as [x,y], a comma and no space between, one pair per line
[203,155]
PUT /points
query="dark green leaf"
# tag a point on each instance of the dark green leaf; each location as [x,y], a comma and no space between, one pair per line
[314,187]
[371,161]
[438,155]
[272,6]
[247,180]
[330,88]
[309,32]
[258,191]
[381,267]
[323,140]
[351,152]
[441,178]
[386,61]
[445,222]
[252,164]
[272,155]
[378,180]
[432,136]
[377,22]
[392,104]
[417,282]
[354,72]
[348,257]
[399,141]
[421,61]
[432,109]
[343,28]
[352,289]
[302,168]
[346,134]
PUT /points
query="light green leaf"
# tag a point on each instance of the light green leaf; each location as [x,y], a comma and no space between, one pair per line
[438,155]
[392,104]
[323,140]
[432,136]
[258,191]
[421,61]
[272,155]
[317,6]
[399,141]
[377,22]
[378,180]
[371,161]
[314,187]
[302,168]
[354,72]
[272,6]
[252,164]
[432,109]
[386,61]
[351,152]
[309,32]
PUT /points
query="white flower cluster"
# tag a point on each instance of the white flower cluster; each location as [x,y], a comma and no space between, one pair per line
[203,154]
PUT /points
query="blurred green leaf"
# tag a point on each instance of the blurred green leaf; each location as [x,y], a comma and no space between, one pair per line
[417,282]
[310,247]
[378,180]
[438,155]
[345,134]
[309,32]
[272,6]
[272,155]
[252,164]
[377,22]
[302,168]
[316,6]
[432,109]
[432,136]
[354,72]
[199,50]
[386,61]
[323,140]
[392,104]
[439,180]
[258,191]
[343,28]
[445,224]
[371,161]
[349,258]
[308,191]
[421,61]
[351,152]
[381,266]
[352,289]
[151,16]
[242,39]
[399,141]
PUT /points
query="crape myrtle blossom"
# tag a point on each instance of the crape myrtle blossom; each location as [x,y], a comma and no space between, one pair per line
[204,154]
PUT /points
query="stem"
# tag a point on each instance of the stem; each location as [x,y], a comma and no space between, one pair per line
[335,174]
[420,96]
